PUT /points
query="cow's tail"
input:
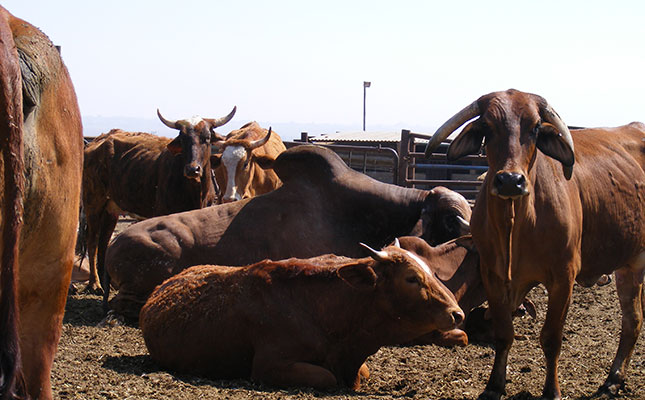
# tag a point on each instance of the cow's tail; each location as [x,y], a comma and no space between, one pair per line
[11,119]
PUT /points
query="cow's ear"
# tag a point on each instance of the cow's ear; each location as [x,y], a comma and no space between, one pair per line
[216,160]
[175,146]
[360,276]
[469,141]
[264,161]
[551,143]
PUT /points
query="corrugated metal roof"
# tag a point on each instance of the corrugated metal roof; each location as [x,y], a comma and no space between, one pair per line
[360,136]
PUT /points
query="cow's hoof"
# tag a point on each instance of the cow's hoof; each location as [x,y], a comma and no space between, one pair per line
[612,388]
[111,319]
[490,395]
[94,288]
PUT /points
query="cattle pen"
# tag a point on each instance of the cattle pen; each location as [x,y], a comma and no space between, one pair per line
[401,161]
[111,362]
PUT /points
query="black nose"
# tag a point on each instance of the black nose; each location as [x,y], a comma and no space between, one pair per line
[510,184]
[193,171]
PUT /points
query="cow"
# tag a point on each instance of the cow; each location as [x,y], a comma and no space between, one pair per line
[144,175]
[297,322]
[322,207]
[238,163]
[41,145]
[551,215]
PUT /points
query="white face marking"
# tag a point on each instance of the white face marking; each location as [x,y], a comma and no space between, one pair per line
[230,158]
[419,261]
[194,120]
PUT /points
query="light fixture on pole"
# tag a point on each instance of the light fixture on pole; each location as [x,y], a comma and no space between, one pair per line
[365,86]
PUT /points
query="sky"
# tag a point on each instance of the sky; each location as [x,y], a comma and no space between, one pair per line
[304,62]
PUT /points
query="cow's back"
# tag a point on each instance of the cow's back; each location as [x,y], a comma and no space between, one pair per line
[611,182]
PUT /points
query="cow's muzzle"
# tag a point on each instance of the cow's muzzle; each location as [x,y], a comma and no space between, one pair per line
[193,171]
[509,185]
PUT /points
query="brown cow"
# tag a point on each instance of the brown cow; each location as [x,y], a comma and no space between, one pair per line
[294,322]
[145,176]
[41,141]
[237,170]
[540,219]
[322,207]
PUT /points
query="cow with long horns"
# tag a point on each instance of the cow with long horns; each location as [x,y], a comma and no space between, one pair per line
[548,214]
[238,166]
[144,175]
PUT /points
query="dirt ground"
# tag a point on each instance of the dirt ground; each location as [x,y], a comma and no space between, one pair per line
[112,362]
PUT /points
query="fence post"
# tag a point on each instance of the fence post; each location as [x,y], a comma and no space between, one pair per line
[405,161]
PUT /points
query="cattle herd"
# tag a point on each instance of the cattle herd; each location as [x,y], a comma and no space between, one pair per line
[285,266]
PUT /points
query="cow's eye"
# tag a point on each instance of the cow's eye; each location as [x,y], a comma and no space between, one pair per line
[413,279]
[536,129]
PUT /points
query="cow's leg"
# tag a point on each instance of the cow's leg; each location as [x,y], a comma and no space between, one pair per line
[41,316]
[551,335]
[108,223]
[93,231]
[501,313]
[629,285]
[285,373]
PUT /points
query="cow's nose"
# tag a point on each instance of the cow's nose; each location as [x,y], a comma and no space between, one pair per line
[510,184]
[193,171]
[458,316]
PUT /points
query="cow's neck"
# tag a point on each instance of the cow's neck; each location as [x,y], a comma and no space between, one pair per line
[388,210]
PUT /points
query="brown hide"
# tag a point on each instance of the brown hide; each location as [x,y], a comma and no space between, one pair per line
[294,322]
[540,218]
[136,173]
[323,207]
[456,265]
[238,174]
[40,120]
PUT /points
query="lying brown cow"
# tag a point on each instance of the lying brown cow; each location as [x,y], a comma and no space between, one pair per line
[550,214]
[295,322]
[41,141]
[237,170]
[144,175]
[323,207]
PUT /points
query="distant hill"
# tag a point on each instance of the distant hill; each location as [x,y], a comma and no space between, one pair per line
[288,131]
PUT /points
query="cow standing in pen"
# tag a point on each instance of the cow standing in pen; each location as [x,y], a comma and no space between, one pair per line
[548,214]
[237,165]
[296,322]
[144,175]
[41,142]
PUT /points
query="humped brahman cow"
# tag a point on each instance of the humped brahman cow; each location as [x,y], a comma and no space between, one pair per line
[553,215]
[323,207]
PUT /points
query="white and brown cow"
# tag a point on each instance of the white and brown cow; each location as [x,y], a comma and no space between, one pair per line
[238,168]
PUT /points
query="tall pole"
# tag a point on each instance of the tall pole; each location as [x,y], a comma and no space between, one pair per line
[365,86]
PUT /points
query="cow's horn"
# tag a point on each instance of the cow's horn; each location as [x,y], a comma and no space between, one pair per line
[260,142]
[221,121]
[396,243]
[553,118]
[450,126]
[169,124]
[463,223]
[377,255]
